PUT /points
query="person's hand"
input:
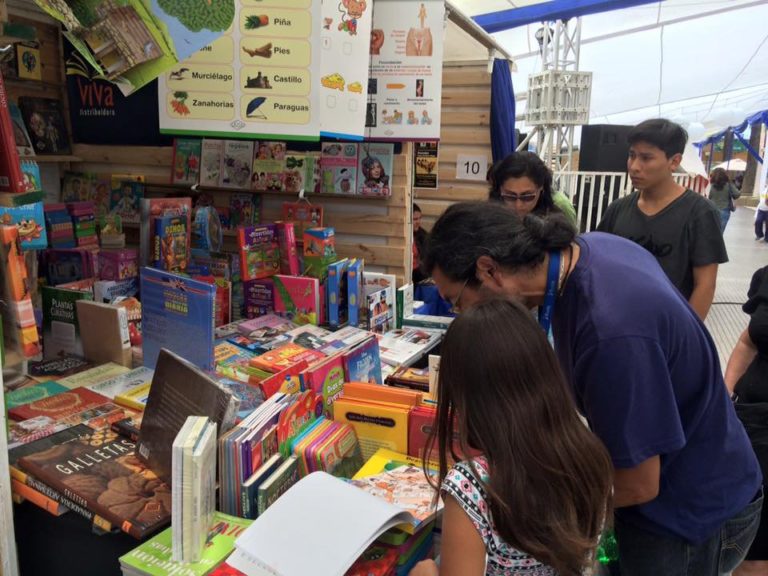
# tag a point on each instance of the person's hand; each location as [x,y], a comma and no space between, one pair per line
[425,568]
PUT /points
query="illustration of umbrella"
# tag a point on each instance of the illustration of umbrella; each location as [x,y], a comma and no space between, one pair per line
[252,110]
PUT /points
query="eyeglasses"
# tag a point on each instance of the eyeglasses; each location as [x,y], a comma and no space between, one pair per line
[455,308]
[525,198]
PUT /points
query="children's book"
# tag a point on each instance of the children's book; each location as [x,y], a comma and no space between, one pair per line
[30,221]
[344,519]
[135,398]
[118,488]
[259,251]
[251,397]
[404,304]
[363,364]
[32,393]
[236,164]
[380,301]
[11,177]
[265,331]
[153,208]
[355,291]
[297,298]
[244,210]
[406,345]
[186,161]
[61,329]
[59,405]
[210,162]
[92,376]
[177,313]
[286,239]
[326,379]
[304,215]
[287,381]
[45,122]
[268,167]
[249,489]
[125,199]
[153,557]
[300,173]
[259,297]
[338,168]
[375,169]
[337,295]
[171,247]
[285,356]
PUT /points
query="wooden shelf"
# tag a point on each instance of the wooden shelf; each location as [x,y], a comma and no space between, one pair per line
[34,84]
[48,158]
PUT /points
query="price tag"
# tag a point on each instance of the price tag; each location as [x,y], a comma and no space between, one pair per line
[471,167]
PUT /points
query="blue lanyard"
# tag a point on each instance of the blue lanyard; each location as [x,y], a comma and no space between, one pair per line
[553,275]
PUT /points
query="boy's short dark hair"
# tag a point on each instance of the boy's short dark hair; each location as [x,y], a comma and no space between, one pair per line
[662,133]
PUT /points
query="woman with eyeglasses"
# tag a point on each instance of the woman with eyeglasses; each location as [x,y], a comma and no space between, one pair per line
[523,183]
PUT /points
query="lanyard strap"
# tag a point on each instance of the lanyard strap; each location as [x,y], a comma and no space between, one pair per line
[553,275]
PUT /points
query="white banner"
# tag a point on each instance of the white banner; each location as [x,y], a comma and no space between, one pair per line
[405,89]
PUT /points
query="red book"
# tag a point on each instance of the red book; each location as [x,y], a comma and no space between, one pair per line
[11,177]
[59,406]
[272,385]
[286,356]
[225,569]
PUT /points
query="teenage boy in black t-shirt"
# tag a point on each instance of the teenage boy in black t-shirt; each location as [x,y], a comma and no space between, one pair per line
[678,226]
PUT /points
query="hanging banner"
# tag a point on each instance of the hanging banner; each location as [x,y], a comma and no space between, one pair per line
[256,81]
[344,67]
[405,88]
[425,165]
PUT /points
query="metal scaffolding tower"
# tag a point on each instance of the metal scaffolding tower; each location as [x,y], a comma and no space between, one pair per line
[559,95]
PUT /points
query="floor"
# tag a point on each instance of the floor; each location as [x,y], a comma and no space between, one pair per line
[726,321]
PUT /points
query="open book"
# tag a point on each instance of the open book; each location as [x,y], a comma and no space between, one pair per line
[334,521]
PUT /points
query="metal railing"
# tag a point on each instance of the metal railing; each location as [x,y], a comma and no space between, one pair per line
[592,192]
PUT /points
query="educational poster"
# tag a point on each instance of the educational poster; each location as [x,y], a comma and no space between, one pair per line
[344,67]
[405,87]
[257,81]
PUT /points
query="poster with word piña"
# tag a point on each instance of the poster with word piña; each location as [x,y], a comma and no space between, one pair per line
[405,87]
[344,67]
[258,80]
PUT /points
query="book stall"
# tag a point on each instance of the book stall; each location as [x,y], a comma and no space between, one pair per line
[211,345]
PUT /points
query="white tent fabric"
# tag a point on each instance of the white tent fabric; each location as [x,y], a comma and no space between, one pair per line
[735,165]
[693,61]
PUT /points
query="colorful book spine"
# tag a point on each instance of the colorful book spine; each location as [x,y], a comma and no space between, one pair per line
[286,238]
[355,290]
[11,176]
[338,310]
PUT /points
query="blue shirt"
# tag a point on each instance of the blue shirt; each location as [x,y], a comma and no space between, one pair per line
[646,375]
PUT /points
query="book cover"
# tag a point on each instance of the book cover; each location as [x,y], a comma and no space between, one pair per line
[363,363]
[99,471]
[297,298]
[303,215]
[338,168]
[285,356]
[28,394]
[61,266]
[249,488]
[59,405]
[259,297]
[244,210]
[380,292]
[37,498]
[251,397]
[23,142]
[57,368]
[286,239]
[28,62]
[236,164]
[186,161]
[268,167]
[107,338]
[61,329]
[125,198]
[93,376]
[179,389]
[11,178]
[177,313]
[259,251]
[375,169]
[308,336]
[287,381]
[30,221]
[377,560]
[153,557]
[277,484]
[326,379]
[171,248]
[343,339]
[135,398]
[210,162]
[45,122]
[407,344]
[152,208]
[338,308]
[300,173]
[404,304]
[123,383]
[266,331]
[378,425]
[355,293]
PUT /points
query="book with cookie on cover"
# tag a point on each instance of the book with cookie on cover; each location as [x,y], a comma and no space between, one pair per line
[99,470]
[60,405]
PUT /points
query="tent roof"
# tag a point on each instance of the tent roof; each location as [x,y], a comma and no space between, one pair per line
[693,61]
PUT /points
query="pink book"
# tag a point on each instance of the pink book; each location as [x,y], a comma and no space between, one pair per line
[286,239]
[297,298]
[327,380]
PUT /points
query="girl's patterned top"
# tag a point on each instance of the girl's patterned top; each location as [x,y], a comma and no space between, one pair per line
[503,559]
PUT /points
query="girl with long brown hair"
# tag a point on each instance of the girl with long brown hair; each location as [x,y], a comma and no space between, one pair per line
[535,500]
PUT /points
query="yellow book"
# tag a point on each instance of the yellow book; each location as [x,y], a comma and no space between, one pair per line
[377,424]
[93,376]
[135,398]
[385,459]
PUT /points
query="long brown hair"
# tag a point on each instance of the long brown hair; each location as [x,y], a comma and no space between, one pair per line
[719,178]
[501,389]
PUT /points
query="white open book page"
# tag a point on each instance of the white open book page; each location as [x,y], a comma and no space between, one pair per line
[320,526]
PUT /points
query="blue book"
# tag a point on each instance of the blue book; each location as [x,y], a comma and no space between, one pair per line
[171,239]
[177,313]
[250,488]
[30,220]
[363,363]
[355,290]
[338,310]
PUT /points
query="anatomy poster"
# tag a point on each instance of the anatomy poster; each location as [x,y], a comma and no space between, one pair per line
[344,67]
[258,80]
[405,86]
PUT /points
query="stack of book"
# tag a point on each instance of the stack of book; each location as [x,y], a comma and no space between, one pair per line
[83,216]
[58,223]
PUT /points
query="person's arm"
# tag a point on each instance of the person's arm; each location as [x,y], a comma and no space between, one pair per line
[638,485]
[462,549]
[742,356]
[704,283]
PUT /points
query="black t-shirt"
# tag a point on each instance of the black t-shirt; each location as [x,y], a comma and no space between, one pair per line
[752,387]
[684,235]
